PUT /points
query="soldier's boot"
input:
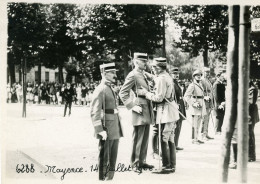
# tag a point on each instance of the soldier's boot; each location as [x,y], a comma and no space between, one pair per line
[192,133]
[172,148]
[165,157]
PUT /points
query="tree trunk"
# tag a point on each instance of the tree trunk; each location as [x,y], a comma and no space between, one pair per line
[126,67]
[20,74]
[205,55]
[164,41]
[39,73]
[231,90]
[61,80]
[243,113]
[11,67]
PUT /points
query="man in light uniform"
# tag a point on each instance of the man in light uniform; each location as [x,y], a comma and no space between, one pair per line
[209,102]
[164,90]
[194,96]
[106,122]
[142,111]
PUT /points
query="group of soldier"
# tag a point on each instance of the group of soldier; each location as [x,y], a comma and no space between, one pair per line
[158,100]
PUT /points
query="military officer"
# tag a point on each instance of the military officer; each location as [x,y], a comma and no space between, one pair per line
[142,111]
[179,98]
[194,96]
[106,122]
[219,89]
[208,98]
[164,117]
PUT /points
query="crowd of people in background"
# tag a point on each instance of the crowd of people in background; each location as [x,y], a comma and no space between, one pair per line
[52,93]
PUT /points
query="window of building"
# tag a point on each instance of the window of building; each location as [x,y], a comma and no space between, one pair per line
[47,76]
[36,77]
[56,76]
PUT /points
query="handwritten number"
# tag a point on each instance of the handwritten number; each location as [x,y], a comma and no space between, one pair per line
[92,168]
[25,168]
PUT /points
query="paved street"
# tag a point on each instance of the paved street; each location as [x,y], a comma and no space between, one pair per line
[45,138]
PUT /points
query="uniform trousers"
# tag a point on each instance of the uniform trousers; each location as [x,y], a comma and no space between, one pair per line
[196,121]
[205,123]
[140,144]
[167,144]
[251,153]
[219,120]
[177,132]
[107,158]
[67,105]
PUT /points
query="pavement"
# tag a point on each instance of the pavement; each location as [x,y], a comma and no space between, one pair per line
[47,144]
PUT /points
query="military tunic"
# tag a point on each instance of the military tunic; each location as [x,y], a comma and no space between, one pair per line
[105,117]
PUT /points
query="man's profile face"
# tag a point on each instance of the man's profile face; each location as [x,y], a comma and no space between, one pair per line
[141,64]
[111,76]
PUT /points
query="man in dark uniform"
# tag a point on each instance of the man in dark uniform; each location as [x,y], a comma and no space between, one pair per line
[106,121]
[219,96]
[142,111]
[68,96]
[179,99]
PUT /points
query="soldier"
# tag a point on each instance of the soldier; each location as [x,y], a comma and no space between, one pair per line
[68,96]
[164,117]
[194,96]
[106,122]
[219,89]
[179,98]
[142,111]
[208,98]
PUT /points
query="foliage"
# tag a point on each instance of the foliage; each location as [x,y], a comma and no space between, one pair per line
[203,28]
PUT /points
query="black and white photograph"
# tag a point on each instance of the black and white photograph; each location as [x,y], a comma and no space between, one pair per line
[129,91]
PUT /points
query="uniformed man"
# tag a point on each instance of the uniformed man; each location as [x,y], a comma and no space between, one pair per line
[68,96]
[219,89]
[164,117]
[106,122]
[209,102]
[179,99]
[194,96]
[142,111]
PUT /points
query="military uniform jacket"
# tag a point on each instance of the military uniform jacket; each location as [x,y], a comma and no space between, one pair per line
[104,98]
[135,81]
[195,93]
[219,93]
[163,89]
[208,90]
[179,98]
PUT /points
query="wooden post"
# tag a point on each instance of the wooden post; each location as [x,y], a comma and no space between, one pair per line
[164,39]
[243,114]
[231,90]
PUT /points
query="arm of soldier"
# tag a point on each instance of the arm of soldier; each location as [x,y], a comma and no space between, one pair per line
[160,92]
[95,113]
[125,90]
[188,94]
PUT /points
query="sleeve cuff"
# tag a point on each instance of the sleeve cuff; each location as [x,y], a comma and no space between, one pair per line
[129,104]
[99,128]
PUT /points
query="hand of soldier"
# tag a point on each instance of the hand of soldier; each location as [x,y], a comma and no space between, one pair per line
[103,134]
[207,98]
[137,109]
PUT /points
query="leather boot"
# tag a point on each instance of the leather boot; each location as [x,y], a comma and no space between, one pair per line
[234,146]
[165,154]
[192,134]
[172,155]
[155,143]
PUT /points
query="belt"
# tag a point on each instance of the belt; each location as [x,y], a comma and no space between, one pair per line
[198,97]
[111,111]
[141,96]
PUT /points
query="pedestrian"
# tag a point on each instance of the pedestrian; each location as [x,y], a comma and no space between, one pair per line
[68,97]
[162,95]
[142,111]
[107,126]
[179,99]
[219,89]
[254,115]
[209,103]
[194,96]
